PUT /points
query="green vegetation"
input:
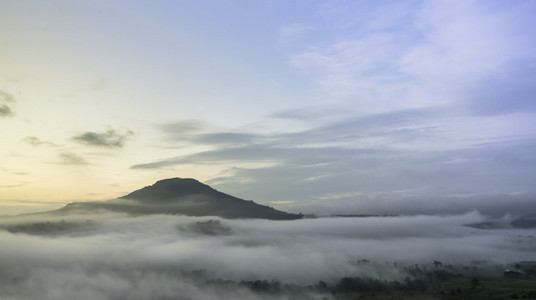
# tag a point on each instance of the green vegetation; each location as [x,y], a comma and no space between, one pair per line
[449,283]
[492,288]
[436,283]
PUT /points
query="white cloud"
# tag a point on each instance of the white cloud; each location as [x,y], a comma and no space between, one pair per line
[421,54]
[116,256]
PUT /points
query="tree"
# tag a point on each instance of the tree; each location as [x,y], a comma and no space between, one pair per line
[475,282]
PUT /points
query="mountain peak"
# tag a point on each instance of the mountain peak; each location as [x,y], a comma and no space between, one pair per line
[178,181]
[184,196]
[170,189]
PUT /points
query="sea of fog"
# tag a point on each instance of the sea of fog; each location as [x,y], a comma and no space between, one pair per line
[117,256]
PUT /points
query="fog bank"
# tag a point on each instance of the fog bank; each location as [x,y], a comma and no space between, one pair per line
[119,256]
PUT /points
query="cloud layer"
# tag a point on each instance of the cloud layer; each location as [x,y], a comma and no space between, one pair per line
[108,139]
[390,162]
[116,256]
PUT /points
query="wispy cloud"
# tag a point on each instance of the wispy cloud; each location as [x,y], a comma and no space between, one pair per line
[177,129]
[13,185]
[476,54]
[471,54]
[196,132]
[5,111]
[71,158]
[108,139]
[5,100]
[400,155]
[35,141]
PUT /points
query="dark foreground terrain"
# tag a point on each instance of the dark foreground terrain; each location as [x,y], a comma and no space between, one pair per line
[435,282]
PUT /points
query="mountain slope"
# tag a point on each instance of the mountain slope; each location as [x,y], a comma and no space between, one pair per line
[184,196]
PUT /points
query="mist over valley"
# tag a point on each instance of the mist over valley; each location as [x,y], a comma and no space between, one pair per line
[98,252]
[214,150]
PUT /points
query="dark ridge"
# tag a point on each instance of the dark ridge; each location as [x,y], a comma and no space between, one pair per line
[171,189]
[183,196]
[52,228]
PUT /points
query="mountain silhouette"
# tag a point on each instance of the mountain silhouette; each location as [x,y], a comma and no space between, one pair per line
[185,196]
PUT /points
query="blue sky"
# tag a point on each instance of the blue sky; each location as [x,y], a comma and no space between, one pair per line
[314,106]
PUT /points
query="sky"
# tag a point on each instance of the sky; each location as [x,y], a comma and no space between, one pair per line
[312,106]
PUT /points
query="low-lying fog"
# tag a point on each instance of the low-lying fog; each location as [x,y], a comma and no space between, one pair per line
[108,256]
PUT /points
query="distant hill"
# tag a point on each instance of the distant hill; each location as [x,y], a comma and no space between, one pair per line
[183,196]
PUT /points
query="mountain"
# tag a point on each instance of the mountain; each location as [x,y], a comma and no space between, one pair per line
[183,196]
